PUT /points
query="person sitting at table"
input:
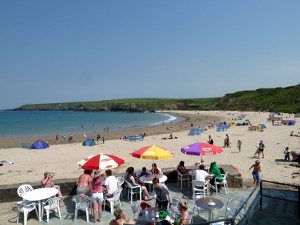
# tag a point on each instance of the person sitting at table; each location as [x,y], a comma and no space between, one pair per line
[97,195]
[84,183]
[48,183]
[121,218]
[155,169]
[182,219]
[163,197]
[111,183]
[215,171]
[144,172]
[131,178]
[202,175]
[181,168]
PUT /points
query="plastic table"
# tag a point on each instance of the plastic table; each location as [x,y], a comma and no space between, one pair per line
[148,178]
[204,204]
[37,195]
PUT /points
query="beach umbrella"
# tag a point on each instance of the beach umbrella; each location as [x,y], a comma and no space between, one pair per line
[152,152]
[201,148]
[103,161]
[83,161]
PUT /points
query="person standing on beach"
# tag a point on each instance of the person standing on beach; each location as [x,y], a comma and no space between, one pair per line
[239,144]
[255,172]
[84,182]
[261,148]
[287,154]
[210,140]
[97,195]
[226,141]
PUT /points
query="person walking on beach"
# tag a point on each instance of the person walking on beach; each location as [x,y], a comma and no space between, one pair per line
[239,144]
[255,172]
[261,148]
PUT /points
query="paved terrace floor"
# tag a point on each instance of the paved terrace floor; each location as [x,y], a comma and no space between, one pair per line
[8,214]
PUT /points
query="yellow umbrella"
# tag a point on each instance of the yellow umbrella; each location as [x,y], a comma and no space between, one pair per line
[152,152]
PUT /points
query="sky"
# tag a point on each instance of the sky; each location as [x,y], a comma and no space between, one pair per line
[72,50]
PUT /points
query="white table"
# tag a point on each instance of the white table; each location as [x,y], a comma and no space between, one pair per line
[37,195]
[148,178]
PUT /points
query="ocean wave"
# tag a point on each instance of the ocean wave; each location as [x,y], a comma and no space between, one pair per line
[169,119]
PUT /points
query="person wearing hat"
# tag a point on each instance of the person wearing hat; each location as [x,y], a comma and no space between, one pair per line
[255,172]
[97,195]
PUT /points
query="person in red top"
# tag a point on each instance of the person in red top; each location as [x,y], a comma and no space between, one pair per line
[97,195]
[155,169]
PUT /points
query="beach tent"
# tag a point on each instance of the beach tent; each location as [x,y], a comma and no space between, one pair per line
[39,144]
[88,142]
[233,124]
[297,115]
[135,138]
[263,126]
[196,131]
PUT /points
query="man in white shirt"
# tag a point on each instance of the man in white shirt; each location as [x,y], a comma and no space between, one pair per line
[111,183]
[202,175]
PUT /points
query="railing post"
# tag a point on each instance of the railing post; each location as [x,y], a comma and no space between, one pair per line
[298,201]
[260,197]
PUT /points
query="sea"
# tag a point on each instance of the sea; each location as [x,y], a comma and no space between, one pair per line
[47,123]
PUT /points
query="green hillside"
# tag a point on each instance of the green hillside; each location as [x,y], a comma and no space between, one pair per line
[265,99]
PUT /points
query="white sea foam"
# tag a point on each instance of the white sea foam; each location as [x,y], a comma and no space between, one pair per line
[169,119]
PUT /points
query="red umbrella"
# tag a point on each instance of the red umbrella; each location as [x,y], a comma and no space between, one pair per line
[103,161]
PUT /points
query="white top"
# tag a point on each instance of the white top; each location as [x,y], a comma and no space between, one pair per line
[148,179]
[200,175]
[112,184]
[40,194]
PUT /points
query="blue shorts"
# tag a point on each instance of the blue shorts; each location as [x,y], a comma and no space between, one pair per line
[255,176]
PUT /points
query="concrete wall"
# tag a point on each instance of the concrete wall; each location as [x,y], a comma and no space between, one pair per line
[68,186]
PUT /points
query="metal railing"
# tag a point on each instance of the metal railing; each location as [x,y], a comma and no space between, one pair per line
[278,198]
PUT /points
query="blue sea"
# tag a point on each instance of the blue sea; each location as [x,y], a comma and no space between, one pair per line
[45,123]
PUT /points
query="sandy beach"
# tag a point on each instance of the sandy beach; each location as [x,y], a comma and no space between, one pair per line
[30,165]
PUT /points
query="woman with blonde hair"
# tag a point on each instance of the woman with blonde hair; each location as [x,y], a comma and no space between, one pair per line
[184,217]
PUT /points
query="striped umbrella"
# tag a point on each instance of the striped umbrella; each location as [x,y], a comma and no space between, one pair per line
[103,161]
[152,152]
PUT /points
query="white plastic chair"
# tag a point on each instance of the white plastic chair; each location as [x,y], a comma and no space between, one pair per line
[25,207]
[183,177]
[199,187]
[174,206]
[114,200]
[52,204]
[23,189]
[222,182]
[120,182]
[130,188]
[136,209]
[82,202]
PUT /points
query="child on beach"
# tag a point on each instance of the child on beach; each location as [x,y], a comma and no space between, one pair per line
[287,154]
[255,172]
[97,195]
[144,172]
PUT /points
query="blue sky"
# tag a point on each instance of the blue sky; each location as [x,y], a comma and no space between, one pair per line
[58,51]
